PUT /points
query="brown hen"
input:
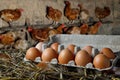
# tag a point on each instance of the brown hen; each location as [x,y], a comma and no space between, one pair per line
[39,34]
[70,13]
[72,30]
[10,15]
[43,34]
[53,14]
[7,39]
[94,28]
[58,30]
[84,29]
[102,13]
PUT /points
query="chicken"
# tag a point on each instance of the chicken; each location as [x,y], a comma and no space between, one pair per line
[21,44]
[10,15]
[43,34]
[94,28]
[60,28]
[72,30]
[101,13]
[53,14]
[70,13]
[84,14]
[84,29]
[53,32]
[39,34]
[57,30]
[7,39]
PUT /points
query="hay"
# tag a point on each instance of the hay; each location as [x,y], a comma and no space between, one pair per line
[14,68]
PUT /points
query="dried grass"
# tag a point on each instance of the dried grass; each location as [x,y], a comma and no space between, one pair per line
[14,68]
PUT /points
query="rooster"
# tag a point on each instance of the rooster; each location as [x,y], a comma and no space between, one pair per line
[71,13]
[53,14]
[102,13]
[10,15]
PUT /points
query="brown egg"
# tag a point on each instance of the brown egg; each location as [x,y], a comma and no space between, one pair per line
[65,56]
[108,53]
[39,46]
[88,49]
[55,46]
[32,53]
[82,58]
[42,65]
[71,47]
[101,61]
[48,54]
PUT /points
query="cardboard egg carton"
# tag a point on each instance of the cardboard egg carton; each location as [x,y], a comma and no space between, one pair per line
[97,41]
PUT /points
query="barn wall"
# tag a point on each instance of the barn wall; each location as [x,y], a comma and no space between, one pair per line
[35,10]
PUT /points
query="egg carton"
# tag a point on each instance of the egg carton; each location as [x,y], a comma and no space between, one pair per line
[95,51]
[97,41]
[72,63]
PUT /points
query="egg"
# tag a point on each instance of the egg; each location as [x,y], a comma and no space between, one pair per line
[91,50]
[39,46]
[101,61]
[71,47]
[55,46]
[65,56]
[82,58]
[32,53]
[108,53]
[48,54]
[88,49]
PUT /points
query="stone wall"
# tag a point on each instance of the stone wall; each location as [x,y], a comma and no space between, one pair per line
[35,10]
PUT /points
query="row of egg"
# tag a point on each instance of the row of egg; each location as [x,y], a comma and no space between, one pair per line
[81,57]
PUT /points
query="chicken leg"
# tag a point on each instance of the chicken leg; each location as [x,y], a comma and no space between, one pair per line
[54,23]
[9,24]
